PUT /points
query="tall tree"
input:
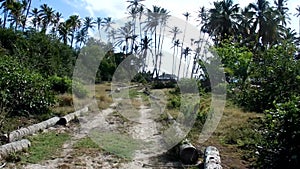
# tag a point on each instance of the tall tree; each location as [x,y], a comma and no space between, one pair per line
[35,18]
[16,14]
[47,15]
[73,23]
[88,23]
[28,6]
[6,6]
[175,31]
[222,21]
[99,22]
[64,31]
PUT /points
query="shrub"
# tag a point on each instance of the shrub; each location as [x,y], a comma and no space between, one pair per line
[281,132]
[61,84]
[22,91]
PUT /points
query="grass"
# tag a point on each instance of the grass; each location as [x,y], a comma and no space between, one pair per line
[44,146]
[233,135]
[121,145]
[86,143]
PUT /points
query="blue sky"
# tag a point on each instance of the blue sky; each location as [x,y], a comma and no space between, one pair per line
[117,8]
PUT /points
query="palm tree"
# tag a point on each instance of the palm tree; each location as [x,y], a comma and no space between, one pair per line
[156,22]
[64,31]
[73,23]
[107,23]
[35,18]
[176,45]
[265,21]
[298,15]
[56,20]
[222,21]
[81,37]
[88,23]
[145,47]
[134,8]
[27,8]
[186,53]
[16,14]
[282,11]
[47,15]
[99,22]
[175,31]
[123,35]
[6,6]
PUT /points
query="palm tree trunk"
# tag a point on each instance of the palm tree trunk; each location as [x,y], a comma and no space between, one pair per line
[27,12]
[178,75]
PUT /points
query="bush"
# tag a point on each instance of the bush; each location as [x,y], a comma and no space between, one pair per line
[61,84]
[281,132]
[22,91]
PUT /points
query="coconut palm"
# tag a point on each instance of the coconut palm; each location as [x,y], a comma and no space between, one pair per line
[124,34]
[107,23]
[35,18]
[265,21]
[81,37]
[88,23]
[6,6]
[64,31]
[176,45]
[280,6]
[28,6]
[56,20]
[47,16]
[73,23]
[222,21]
[156,22]
[175,31]
[99,22]
[16,14]
[145,47]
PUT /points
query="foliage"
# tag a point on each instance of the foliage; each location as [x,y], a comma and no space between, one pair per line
[235,60]
[273,76]
[281,132]
[22,91]
[60,84]
[49,57]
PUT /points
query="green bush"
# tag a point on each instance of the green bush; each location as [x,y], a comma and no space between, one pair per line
[281,135]
[22,91]
[61,84]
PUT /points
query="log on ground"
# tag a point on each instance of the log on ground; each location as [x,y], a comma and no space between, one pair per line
[13,147]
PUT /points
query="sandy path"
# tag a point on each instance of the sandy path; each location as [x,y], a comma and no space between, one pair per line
[146,129]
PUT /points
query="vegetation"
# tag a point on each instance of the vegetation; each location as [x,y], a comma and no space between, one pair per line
[44,146]
[258,51]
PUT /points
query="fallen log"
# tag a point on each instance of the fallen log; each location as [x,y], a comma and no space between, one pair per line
[13,147]
[188,153]
[69,117]
[20,133]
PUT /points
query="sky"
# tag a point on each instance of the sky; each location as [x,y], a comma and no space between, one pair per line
[117,8]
